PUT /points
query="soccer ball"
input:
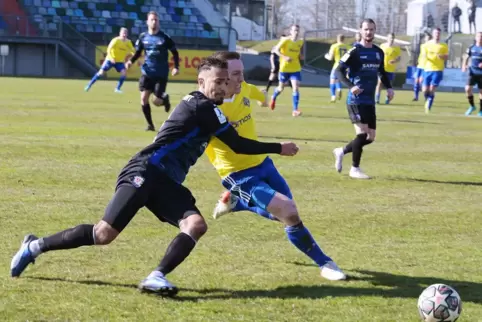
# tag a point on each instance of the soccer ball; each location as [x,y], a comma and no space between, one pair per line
[439,303]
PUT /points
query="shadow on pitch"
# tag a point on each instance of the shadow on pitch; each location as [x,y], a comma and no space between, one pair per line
[456,183]
[301,139]
[400,286]
[378,120]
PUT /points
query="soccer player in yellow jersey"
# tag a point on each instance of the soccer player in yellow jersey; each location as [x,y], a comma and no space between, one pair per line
[337,50]
[289,51]
[253,182]
[418,75]
[392,58]
[119,50]
[435,55]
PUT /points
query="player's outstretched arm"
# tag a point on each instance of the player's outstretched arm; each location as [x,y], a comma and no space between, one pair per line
[139,49]
[241,145]
[383,74]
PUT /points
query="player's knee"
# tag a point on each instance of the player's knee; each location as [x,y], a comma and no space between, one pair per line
[104,233]
[284,209]
[194,225]
[157,101]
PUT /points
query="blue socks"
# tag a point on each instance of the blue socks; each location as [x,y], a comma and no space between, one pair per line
[93,80]
[430,100]
[338,86]
[416,90]
[242,205]
[275,94]
[333,89]
[302,239]
[121,81]
[296,100]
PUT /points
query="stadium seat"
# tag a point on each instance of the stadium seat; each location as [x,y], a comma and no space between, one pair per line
[98,19]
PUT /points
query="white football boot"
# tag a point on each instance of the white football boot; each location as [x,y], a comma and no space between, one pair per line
[332,272]
[225,204]
[338,153]
[357,173]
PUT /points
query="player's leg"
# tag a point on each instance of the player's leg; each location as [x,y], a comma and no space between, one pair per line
[391,77]
[435,82]
[173,203]
[106,66]
[333,81]
[479,85]
[161,97]
[339,93]
[427,79]
[121,69]
[284,209]
[146,87]
[282,79]
[122,208]
[378,91]
[295,79]
[271,79]
[417,83]
[470,95]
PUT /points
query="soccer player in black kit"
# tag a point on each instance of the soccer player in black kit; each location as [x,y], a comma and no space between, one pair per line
[153,179]
[155,70]
[364,64]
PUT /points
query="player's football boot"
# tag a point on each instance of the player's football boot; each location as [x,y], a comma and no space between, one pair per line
[296,113]
[117,91]
[427,107]
[167,103]
[470,110]
[150,127]
[414,99]
[157,283]
[387,101]
[23,257]
[332,272]
[272,104]
[333,99]
[225,205]
[357,173]
[338,153]
[86,88]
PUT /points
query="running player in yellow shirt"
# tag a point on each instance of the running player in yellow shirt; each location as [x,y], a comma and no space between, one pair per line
[435,55]
[392,57]
[337,50]
[253,182]
[418,74]
[289,52]
[119,50]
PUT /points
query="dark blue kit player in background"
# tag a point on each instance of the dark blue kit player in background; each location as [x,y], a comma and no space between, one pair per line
[474,53]
[155,70]
[153,179]
[364,66]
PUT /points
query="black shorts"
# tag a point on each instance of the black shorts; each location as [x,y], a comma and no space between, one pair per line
[365,114]
[157,86]
[473,80]
[169,201]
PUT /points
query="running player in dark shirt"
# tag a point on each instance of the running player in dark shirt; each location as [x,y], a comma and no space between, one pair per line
[155,70]
[364,64]
[474,53]
[153,179]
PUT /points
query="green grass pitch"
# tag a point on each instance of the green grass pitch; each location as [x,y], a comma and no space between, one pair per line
[417,222]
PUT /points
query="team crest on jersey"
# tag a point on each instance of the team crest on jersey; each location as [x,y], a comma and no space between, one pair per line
[246,101]
[137,181]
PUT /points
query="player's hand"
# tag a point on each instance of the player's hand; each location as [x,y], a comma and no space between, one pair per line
[128,64]
[355,90]
[288,59]
[175,72]
[265,102]
[288,149]
[390,94]
[464,69]
[480,65]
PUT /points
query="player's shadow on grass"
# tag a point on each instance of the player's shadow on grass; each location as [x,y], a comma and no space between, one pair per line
[85,282]
[300,139]
[457,183]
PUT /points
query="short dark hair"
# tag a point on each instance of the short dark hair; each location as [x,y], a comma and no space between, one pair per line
[367,20]
[438,29]
[295,25]
[226,55]
[212,62]
[340,37]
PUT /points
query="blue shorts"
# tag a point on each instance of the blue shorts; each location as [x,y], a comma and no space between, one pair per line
[418,73]
[119,67]
[284,77]
[432,78]
[333,74]
[257,185]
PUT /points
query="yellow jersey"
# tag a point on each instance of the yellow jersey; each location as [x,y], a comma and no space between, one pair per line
[390,53]
[421,57]
[238,111]
[292,49]
[337,51]
[433,63]
[119,49]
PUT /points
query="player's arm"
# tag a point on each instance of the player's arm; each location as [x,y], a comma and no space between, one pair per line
[172,48]
[465,60]
[444,53]
[256,94]
[345,62]
[212,120]
[277,48]
[399,56]
[139,49]
[383,74]
[331,53]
